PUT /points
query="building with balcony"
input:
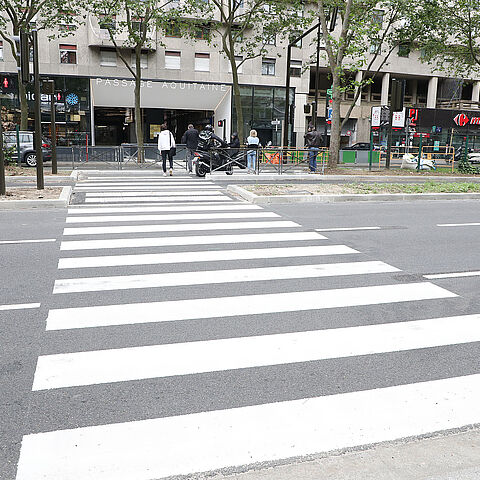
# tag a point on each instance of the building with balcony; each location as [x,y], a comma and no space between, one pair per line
[189,81]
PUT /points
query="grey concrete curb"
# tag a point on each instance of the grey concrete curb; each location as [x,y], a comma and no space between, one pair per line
[23,178]
[354,197]
[350,178]
[62,202]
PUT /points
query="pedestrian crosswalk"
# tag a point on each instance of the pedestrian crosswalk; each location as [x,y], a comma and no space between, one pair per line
[196,291]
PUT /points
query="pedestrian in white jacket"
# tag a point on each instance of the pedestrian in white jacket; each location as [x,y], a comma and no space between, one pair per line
[166,145]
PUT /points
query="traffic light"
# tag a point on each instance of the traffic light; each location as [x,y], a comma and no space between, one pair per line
[8,84]
[22,46]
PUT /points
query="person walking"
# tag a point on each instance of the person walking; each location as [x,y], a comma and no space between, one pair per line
[166,145]
[190,139]
[253,143]
[234,144]
[313,141]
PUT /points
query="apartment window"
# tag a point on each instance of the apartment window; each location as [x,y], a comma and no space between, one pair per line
[270,39]
[172,60]
[238,60]
[403,50]
[173,30]
[107,23]
[143,60]
[237,4]
[267,8]
[268,66]
[378,17]
[295,68]
[137,24]
[374,49]
[237,35]
[1,51]
[202,62]
[293,36]
[68,54]
[108,58]
[202,32]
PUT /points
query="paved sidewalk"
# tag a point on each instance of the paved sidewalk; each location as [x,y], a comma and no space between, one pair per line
[452,457]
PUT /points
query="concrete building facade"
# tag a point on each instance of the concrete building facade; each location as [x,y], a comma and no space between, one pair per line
[188,81]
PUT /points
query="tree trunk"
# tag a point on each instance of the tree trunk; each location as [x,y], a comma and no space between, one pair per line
[237,99]
[138,110]
[335,131]
[22,97]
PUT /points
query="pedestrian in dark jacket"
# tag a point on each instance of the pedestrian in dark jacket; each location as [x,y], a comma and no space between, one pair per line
[190,139]
[234,144]
[313,141]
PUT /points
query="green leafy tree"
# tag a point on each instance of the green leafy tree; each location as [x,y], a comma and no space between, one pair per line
[453,42]
[366,34]
[133,26]
[56,16]
[243,29]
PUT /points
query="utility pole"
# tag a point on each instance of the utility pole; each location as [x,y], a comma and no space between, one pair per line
[317,80]
[3,188]
[38,113]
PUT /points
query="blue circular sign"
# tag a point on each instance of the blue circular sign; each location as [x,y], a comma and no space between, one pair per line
[72,99]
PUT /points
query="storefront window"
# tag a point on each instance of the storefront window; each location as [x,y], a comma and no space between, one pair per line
[68,54]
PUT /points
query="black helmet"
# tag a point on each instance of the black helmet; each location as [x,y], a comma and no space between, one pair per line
[208,127]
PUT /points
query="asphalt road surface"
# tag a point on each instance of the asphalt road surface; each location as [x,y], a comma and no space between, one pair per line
[160,328]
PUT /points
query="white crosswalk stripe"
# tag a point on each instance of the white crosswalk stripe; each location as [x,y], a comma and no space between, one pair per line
[162,199]
[179,227]
[169,216]
[202,256]
[276,280]
[169,208]
[89,317]
[69,245]
[119,365]
[127,282]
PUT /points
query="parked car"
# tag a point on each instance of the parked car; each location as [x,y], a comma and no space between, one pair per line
[27,148]
[358,146]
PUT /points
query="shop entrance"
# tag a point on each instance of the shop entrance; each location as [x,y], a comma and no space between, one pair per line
[115,125]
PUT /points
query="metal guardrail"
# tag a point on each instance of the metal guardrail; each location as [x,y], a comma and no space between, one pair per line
[444,155]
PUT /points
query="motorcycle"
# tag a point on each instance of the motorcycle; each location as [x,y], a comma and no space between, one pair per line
[218,160]
[410,162]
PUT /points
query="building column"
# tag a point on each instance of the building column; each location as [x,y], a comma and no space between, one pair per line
[385,88]
[358,78]
[432,92]
[476,93]
[414,90]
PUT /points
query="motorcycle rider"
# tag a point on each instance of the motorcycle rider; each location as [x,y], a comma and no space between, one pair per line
[207,137]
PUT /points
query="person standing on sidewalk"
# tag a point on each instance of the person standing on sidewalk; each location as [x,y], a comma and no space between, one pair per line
[253,144]
[166,146]
[313,141]
[190,139]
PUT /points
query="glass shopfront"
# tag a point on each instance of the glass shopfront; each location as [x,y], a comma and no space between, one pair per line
[261,106]
[72,109]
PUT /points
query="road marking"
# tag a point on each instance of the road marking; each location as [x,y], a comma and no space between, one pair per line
[202,256]
[179,227]
[168,208]
[20,306]
[189,240]
[152,178]
[171,199]
[453,275]
[43,240]
[342,229]
[127,282]
[206,441]
[170,311]
[474,224]
[138,363]
[172,216]
[150,187]
[175,193]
